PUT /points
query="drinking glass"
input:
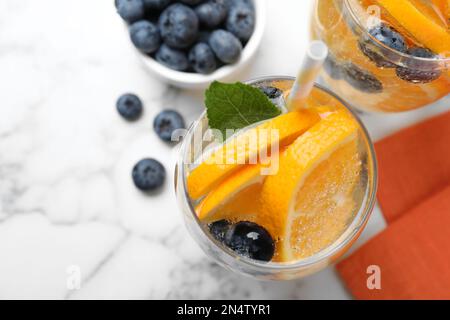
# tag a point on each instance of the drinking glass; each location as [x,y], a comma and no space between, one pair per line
[190,150]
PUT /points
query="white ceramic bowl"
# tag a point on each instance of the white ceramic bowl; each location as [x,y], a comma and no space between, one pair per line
[198,81]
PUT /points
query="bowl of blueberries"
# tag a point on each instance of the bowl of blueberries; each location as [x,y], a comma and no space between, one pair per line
[190,43]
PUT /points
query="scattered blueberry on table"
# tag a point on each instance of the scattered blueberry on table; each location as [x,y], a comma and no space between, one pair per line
[170,31]
[129,106]
[148,175]
[166,122]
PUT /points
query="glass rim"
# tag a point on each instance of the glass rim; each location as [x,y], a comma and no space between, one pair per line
[400,55]
[353,229]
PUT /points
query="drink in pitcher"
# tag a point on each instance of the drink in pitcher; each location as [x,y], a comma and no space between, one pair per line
[385,55]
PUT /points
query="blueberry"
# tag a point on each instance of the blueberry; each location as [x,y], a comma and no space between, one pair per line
[413,73]
[156,4]
[218,229]
[148,175]
[172,58]
[202,58]
[387,36]
[179,26]
[130,10]
[226,46]
[332,67]
[250,240]
[361,79]
[129,106]
[191,2]
[271,92]
[166,122]
[420,52]
[241,22]
[212,13]
[248,3]
[145,36]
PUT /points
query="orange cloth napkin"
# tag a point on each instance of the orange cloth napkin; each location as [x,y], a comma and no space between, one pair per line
[413,255]
[413,164]
[414,195]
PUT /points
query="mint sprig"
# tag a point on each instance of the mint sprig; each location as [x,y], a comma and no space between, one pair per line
[236,106]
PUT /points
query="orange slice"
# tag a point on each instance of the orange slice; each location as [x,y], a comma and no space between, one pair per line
[444,7]
[431,11]
[235,184]
[236,152]
[308,203]
[425,30]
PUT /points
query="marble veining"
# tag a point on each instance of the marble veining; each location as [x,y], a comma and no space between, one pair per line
[66,196]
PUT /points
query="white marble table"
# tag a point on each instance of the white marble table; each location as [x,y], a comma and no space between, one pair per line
[66,197]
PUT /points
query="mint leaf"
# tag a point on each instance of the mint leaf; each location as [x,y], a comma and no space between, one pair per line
[236,106]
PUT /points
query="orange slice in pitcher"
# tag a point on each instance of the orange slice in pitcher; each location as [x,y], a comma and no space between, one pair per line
[431,11]
[444,7]
[425,30]
[308,203]
[236,152]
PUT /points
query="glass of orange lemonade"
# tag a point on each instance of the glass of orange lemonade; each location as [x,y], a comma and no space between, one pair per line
[385,55]
[284,197]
